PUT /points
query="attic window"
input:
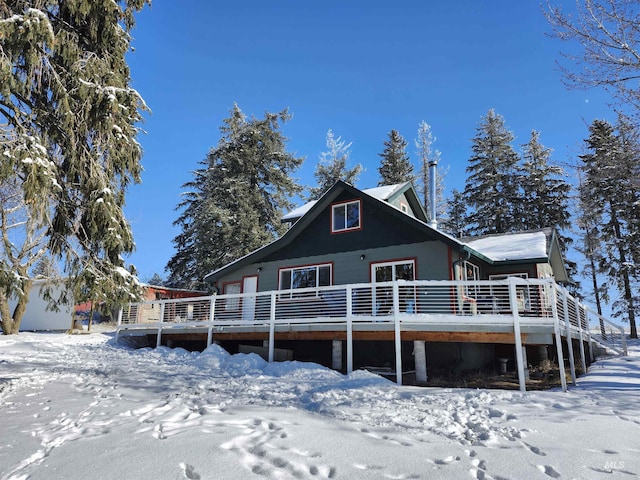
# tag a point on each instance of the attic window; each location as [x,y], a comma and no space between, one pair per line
[404,207]
[346,216]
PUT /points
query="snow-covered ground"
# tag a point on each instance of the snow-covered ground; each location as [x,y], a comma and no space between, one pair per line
[82,407]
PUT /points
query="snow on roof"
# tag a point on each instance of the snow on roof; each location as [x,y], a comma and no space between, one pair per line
[381,193]
[513,246]
[300,211]
[385,192]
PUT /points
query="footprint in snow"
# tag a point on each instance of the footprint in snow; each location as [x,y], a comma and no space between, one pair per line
[534,449]
[549,471]
[189,472]
[446,461]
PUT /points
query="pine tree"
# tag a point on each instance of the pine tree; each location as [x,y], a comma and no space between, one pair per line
[491,188]
[235,201]
[545,195]
[590,246]
[45,268]
[333,167]
[545,192]
[455,220]
[427,155]
[156,280]
[68,123]
[395,166]
[611,196]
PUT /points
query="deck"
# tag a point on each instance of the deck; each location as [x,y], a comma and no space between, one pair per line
[511,311]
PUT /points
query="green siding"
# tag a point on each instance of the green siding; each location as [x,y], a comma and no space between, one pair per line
[379,229]
[432,263]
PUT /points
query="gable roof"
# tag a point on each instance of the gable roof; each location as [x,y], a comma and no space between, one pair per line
[308,212]
[534,246]
[386,193]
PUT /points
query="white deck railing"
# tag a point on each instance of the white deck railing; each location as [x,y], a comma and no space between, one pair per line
[400,305]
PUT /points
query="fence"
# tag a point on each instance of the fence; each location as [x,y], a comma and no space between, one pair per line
[512,301]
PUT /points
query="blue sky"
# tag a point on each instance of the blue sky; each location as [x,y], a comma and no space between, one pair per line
[358,68]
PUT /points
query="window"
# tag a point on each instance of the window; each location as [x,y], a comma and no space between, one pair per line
[231,304]
[346,216]
[383,296]
[311,276]
[404,208]
[523,295]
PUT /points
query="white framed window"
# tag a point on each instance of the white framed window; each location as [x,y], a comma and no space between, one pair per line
[231,288]
[389,272]
[307,276]
[346,216]
[404,208]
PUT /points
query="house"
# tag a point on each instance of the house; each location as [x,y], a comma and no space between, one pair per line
[37,316]
[363,269]
[150,293]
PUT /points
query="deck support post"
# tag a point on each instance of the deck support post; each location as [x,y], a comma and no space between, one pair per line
[583,359]
[159,337]
[420,359]
[590,343]
[513,297]
[336,355]
[398,340]
[558,336]
[272,326]
[567,323]
[212,311]
[349,331]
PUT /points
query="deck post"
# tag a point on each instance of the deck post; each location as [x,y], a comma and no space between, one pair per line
[558,337]
[513,298]
[212,311]
[272,326]
[420,359]
[582,354]
[567,323]
[336,355]
[586,320]
[349,330]
[159,337]
[162,305]
[398,340]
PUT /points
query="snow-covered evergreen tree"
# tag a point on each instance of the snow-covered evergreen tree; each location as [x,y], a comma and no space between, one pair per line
[68,126]
[395,166]
[491,188]
[591,248]
[545,195]
[235,201]
[333,167]
[545,192]
[610,195]
[455,220]
[426,155]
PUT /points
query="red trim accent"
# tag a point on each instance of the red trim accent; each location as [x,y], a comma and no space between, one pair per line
[231,282]
[307,265]
[236,282]
[346,230]
[398,260]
